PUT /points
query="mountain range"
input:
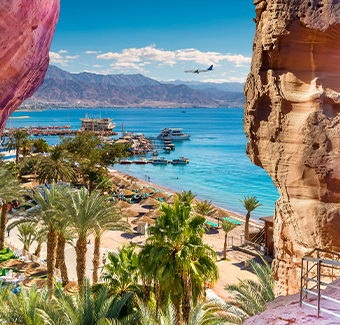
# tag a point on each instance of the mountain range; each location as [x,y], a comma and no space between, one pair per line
[64,89]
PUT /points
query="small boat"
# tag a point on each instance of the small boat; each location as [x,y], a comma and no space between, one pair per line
[180,161]
[125,162]
[159,161]
[140,162]
[173,134]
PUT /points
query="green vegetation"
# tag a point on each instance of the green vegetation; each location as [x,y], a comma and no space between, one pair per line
[250,203]
[227,226]
[16,141]
[4,255]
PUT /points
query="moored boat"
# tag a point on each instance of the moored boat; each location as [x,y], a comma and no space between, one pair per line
[159,161]
[173,134]
[180,161]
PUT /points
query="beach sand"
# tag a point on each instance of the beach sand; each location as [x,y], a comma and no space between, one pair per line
[230,271]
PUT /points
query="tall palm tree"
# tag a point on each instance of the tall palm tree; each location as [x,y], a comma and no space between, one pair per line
[26,146]
[177,258]
[110,220]
[250,297]
[227,226]
[16,142]
[47,213]
[55,167]
[186,197]
[203,207]
[9,190]
[40,236]
[250,203]
[86,213]
[26,235]
[121,271]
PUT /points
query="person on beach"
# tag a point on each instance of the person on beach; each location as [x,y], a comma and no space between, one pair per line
[7,232]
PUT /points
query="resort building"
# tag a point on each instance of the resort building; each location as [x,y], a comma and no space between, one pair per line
[97,124]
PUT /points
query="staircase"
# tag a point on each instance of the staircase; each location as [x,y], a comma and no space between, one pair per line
[259,238]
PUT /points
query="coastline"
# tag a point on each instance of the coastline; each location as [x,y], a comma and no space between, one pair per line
[233,215]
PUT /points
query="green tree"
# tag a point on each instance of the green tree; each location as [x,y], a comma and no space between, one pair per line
[177,258]
[29,165]
[203,207]
[186,197]
[40,236]
[15,142]
[121,272]
[250,297]
[250,203]
[55,167]
[9,191]
[40,145]
[26,235]
[26,147]
[227,226]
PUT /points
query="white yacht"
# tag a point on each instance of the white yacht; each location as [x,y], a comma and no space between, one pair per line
[159,161]
[173,134]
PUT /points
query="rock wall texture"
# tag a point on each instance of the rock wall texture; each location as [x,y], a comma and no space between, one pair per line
[26,32]
[291,120]
[287,310]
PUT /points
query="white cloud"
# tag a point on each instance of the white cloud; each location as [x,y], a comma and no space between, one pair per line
[57,58]
[63,51]
[234,79]
[223,74]
[151,53]
[72,57]
[92,52]
[97,66]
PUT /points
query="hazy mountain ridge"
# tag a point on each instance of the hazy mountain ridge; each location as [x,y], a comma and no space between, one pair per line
[64,89]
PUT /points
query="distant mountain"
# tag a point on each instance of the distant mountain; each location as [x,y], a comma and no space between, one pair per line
[64,89]
[225,86]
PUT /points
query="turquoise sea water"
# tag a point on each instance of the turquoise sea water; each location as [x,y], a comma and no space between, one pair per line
[219,169]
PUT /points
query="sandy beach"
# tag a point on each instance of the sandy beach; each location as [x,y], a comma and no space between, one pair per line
[230,271]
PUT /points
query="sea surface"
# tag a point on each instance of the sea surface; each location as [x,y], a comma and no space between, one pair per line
[219,169]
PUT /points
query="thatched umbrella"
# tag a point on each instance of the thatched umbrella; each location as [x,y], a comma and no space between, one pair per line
[171,199]
[153,214]
[146,190]
[149,202]
[38,271]
[129,214]
[159,195]
[218,214]
[134,179]
[27,266]
[122,205]
[11,264]
[123,182]
[127,176]
[128,193]
[39,283]
[115,179]
[143,220]
[71,287]
[27,186]
[133,187]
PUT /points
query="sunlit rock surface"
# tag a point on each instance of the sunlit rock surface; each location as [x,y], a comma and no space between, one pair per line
[26,32]
[291,120]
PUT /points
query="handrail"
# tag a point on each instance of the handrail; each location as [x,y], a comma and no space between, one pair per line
[305,279]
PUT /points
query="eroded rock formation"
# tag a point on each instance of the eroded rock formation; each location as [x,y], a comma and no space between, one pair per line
[26,32]
[292,124]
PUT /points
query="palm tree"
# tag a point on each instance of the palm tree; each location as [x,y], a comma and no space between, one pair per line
[250,203]
[16,142]
[110,220]
[177,258]
[47,213]
[186,197]
[9,190]
[203,207]
[55,168]
[250,297]
[104,184]
[121,272]
[40,235]
[26,235]
[89,309]
[227,226]
[26,146]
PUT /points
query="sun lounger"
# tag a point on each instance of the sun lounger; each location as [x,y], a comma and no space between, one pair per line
[211,224]
[232,220]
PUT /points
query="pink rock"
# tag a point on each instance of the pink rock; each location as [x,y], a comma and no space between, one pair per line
[26,29]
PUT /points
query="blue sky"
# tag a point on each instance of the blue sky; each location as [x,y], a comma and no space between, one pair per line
[159,39]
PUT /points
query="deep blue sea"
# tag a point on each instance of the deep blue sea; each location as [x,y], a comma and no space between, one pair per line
[219,169]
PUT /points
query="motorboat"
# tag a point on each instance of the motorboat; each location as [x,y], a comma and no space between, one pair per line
[180,161]
[173,134]
[125,162]
[159,161]
[140,162]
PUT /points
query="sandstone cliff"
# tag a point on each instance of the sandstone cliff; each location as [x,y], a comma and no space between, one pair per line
[291,120]
[27,28]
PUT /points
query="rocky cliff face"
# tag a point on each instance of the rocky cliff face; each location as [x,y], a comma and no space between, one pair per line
[26,29]
[291,120]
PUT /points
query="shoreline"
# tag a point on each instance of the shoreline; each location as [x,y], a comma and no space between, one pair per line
[233,215]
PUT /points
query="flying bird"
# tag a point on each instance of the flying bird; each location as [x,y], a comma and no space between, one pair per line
[199,71]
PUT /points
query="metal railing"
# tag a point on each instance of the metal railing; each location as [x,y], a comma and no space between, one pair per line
[243,244]
[326,264]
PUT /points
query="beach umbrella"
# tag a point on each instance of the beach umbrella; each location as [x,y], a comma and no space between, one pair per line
[27,186]
[128,193]
[146,190]
[115,179]
[122,205]
[127,176]
[38,271]
[218,214]
[159,195]
[133,187]
[27,266]
[39,283]
[130,213]
[150,202]
[11,264]
[134,179]
[123,182]
[171,199]
[153,214]
[71,287]
[143,220]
